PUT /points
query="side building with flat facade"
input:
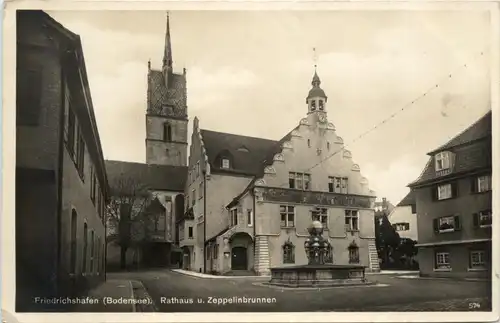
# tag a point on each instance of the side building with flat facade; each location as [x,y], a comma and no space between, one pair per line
[454,206]
[61,182]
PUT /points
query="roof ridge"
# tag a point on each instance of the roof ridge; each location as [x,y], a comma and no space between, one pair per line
[461,133]
[233,134]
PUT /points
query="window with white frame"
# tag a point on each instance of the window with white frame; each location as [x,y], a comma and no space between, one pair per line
[444,192]
[443,260]
[321,215]
[447,223]
[233,217]
[287,213]
[484,183]
[337,184]
[443,161]
[225,163]
[249,218]
[477,259]
[301,181]
[485,218]
[351,220]
[401,226]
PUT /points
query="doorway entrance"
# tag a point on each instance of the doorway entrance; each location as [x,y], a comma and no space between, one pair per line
[239,259]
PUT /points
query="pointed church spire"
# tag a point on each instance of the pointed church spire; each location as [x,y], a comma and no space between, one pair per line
[167,55]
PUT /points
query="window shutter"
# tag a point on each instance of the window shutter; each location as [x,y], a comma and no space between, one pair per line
[454,190]
[458,225]
[435,224]
[434,193]
[475,220]
[473,185]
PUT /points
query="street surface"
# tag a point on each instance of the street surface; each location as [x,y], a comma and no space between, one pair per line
[176,292]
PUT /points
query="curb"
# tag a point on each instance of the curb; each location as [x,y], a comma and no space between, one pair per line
[132,296]
[445,278]
[142,294]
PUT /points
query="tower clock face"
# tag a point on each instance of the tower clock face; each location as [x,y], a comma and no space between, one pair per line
[322,117]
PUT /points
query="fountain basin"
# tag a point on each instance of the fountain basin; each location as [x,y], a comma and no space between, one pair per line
[318,276]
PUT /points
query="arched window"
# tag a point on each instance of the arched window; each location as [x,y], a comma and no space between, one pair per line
[313,105]
[321,105]
[353,253]
[288,253]
[167,132]
[85,243]
[73,241]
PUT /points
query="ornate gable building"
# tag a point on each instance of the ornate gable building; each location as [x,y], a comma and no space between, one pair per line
[252,199]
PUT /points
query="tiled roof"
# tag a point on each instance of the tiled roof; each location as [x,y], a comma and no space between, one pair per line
[409,199]
[472,155]
[160,96]
[247,153]
[153,177]
[479,129]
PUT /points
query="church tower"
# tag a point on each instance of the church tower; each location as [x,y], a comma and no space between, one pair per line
[166,115]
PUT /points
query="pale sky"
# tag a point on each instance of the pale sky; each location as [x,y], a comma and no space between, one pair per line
[249,73]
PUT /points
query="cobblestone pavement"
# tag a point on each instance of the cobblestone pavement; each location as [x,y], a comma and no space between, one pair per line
[174,292]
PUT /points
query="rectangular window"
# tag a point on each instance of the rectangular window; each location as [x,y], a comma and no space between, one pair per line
[197,169]
[92,183]
[287,213]
[190,232]
[401,226]
[442,260]
[225,163]
[447,224]
[444,192]
[484,183]
[193,197]
[477,259]
[337,185]
[28,97]
[301,181]
[233,217]
[483,219]
[249,218]
[92,251]
[351,220]
[216,250]
[442,161]
[71,133]
[200,190]
[321,215]
[99,200]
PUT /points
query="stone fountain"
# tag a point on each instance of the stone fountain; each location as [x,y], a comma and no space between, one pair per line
[316,273]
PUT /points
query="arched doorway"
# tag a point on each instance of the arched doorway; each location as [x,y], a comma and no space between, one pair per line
[241,251]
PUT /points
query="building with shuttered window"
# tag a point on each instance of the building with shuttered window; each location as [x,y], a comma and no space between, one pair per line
[454,203]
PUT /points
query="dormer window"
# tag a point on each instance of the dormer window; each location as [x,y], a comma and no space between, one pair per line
[443,161]
[224,163]
[321,105]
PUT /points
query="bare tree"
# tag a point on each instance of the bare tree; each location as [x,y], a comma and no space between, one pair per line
[126,214]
